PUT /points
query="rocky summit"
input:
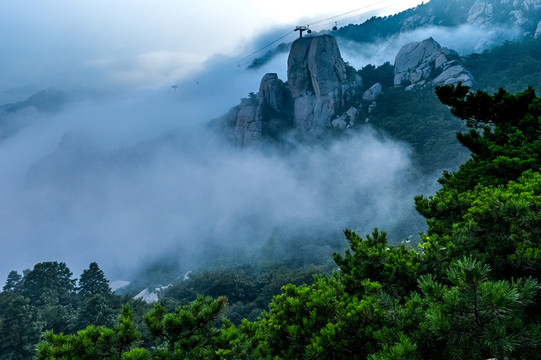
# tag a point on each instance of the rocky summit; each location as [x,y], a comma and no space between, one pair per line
[426,62]
[318,94]
[320,84]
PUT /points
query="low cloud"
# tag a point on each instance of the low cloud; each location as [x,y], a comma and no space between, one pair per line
[465,39]
[129,181]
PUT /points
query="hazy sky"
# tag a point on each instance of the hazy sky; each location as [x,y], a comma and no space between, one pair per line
[146,43]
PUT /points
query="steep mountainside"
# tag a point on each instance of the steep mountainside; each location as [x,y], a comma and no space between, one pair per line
[525,14]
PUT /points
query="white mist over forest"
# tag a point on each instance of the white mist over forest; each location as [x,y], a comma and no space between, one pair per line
[127,182]
[128,173]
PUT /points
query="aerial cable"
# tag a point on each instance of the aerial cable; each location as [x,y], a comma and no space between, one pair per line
[319,24]
[323,26]
[266,46]
[355,10]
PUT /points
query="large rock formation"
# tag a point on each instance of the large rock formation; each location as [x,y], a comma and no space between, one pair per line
[320,85]
[319,94]
[426,62]
[324,92]
[519,12]
[481,13]
[269,112]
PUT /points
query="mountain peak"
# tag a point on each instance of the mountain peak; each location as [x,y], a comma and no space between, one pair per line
[319,90]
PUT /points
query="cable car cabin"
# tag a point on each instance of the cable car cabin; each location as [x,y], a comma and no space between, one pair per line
[335,27]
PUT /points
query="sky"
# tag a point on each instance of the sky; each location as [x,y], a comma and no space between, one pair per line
[106,45]
[125,174]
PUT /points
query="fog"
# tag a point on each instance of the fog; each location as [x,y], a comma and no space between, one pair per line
[465,39]
[128,173]
[128,181]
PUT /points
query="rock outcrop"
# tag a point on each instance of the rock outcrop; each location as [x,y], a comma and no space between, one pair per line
[269,111]
[522,13]
[319,82]
[531,4]
[323,92]
[319,94]
[373,92]
[426,62]
[481,13]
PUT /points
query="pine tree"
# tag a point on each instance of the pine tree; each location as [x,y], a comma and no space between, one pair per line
[93,282]
[19,327]
[48,276]
[13,281]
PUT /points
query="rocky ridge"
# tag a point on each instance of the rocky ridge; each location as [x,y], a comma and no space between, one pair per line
[522,13]
[426,62]
[323,92]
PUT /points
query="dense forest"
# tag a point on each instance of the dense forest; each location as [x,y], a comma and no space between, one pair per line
[467,289]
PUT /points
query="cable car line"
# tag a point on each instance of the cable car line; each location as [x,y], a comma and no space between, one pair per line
[319,25]
[266,46]
[355,10]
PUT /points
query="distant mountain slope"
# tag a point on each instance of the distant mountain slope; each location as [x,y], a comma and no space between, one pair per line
[524,14]
[48,100]
[513,66]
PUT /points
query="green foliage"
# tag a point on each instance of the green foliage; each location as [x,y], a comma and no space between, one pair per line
[45,299]
[189,332]
[318,321]
[137,354]
[489,208]
[248,289]
[98,310]
[503,136]
[93,282]
[20,327]
[404,349]
[515,64]
[395,267]
[56,313]
[499,225]
[351,73]
[13,281]
[383,74]
[48,276]
[474,318]
[94,342]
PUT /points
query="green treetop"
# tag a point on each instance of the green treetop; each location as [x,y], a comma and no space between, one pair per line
[93,282]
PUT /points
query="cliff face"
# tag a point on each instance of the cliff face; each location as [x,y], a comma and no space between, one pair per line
[263,115]
[319,82]
[319,94]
